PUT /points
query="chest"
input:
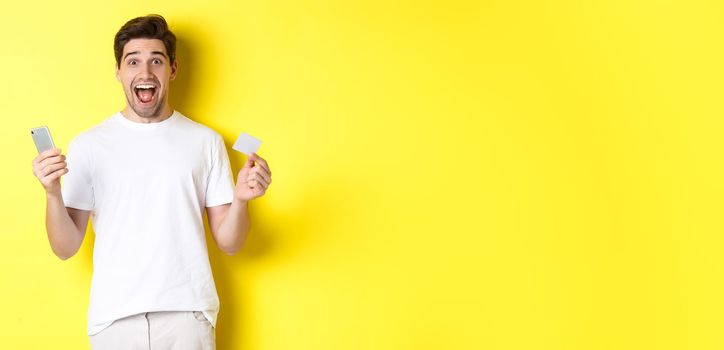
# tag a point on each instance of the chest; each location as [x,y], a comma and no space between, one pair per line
[150,161]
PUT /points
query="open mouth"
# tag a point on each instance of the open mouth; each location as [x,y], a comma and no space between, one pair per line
[145,93]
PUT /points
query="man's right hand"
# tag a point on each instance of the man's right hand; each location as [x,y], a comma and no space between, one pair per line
[48,167]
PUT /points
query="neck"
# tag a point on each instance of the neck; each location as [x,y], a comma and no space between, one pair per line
[131,115]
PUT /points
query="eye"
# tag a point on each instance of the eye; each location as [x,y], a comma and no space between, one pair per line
[156,61]
[132,62]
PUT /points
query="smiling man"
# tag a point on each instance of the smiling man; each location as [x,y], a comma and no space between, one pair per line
[145,176]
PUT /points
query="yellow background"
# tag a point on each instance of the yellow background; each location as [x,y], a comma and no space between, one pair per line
[447,174]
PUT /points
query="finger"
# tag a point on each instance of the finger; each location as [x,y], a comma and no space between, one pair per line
[252,178]
[264,184]
[262,162]
[39,172]
[51,160]
[249,163]
[259,177]
[263,173]
[42,163]
[258,183]
[46,154]
[56,174]
[53,167]
[253,183]
[257,186]
[50,152]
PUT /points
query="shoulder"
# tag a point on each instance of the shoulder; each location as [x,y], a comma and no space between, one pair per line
[87,138]
[199,130]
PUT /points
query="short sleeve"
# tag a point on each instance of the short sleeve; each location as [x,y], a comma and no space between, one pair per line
[220,184]
[77,185]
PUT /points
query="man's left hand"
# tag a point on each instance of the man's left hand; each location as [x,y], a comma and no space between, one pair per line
[253,179]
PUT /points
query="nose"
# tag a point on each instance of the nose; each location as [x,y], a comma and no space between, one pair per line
[145,70]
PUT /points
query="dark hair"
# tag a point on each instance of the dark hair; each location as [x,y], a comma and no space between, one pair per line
[146,27]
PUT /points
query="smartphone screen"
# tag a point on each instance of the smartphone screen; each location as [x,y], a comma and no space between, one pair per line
[42,139]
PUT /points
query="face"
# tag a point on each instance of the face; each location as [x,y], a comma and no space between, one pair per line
[145,72]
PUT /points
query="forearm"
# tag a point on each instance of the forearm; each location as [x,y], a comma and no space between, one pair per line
[64,236]
[233,229]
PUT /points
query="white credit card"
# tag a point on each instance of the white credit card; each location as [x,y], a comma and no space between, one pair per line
[246,144]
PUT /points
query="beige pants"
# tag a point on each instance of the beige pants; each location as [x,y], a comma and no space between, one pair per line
[165,330]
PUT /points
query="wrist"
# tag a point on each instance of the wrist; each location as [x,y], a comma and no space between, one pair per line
[240,201]
[53,194]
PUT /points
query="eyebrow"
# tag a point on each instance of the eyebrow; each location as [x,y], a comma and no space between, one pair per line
[152,53]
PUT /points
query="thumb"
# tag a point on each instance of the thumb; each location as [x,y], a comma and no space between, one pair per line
[249,163]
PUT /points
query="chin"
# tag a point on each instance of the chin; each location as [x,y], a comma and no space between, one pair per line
[147,112]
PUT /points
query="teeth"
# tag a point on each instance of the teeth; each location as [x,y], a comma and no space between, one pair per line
[144,86]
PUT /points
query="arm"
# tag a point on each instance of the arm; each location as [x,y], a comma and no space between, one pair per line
[230,223]
[65,226]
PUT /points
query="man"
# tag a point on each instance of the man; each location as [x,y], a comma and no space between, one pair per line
[146,174]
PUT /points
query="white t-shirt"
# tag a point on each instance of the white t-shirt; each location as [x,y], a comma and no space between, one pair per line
[147,185]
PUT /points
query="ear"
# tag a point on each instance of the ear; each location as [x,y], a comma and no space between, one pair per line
[118,72]
[174,69]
